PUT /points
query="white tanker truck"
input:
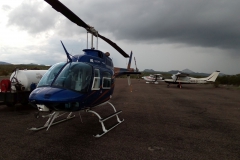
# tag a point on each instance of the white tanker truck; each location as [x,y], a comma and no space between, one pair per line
[19,86]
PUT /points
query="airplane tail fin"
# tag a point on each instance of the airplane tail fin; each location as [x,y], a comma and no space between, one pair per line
[213,76]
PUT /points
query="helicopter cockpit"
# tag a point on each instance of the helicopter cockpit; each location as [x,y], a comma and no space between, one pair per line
[74,76]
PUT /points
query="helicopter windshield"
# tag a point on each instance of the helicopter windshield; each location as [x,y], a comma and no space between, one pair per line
[49,76]
[75,76]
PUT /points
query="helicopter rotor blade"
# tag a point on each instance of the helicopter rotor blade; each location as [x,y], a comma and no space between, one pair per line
[58,6]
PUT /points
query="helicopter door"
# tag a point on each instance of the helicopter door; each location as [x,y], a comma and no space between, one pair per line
[96,80]
[106,82]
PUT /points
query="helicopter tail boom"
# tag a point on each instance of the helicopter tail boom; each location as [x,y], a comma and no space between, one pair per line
[125,71]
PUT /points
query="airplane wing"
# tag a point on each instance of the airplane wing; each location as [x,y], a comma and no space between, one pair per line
[171,81]
[181,74]
[177,77]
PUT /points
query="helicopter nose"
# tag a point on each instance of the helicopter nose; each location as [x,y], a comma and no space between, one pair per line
[48,94]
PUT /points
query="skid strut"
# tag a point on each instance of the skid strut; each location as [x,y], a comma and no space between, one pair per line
[51,118]
[101,120]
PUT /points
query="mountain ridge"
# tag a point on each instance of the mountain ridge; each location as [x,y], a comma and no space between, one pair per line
[1,62]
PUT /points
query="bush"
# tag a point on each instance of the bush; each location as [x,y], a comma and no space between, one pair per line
[3,73]
[216,84]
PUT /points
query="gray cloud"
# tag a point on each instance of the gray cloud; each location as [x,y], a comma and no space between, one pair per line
[6,7]
[172,34]
[200,23]
[31,17]
[206,23]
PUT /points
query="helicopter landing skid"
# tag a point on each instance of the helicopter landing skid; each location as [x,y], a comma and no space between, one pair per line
[101,120]
[50,120]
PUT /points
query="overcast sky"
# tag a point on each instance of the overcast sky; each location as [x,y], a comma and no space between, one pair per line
[201,35]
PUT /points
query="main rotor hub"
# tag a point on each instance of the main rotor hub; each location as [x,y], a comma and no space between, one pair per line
[92,31]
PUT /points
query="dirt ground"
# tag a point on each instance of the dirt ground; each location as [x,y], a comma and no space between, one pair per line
[195,122]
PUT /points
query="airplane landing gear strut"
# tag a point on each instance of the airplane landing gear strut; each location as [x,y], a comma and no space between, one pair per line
[179,85]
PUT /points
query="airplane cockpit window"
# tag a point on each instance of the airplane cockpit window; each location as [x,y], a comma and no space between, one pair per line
[49,76]
[106,82]
[96,80]
[75,76]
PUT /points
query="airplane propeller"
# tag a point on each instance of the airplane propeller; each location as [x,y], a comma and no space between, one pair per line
[58,6]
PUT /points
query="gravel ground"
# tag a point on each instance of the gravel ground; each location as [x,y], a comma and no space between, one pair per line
[195,122]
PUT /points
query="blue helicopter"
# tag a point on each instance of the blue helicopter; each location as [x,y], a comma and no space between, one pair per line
[82,83]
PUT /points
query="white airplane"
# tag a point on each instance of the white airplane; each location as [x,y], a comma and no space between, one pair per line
[153,78]
[182,78]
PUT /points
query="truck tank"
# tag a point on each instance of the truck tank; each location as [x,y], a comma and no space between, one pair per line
[23,79]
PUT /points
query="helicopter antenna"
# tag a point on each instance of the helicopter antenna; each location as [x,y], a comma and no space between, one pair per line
[68,55]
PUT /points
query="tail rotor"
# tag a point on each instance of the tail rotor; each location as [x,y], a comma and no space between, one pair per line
[128,68]
[136,68]
[135,64]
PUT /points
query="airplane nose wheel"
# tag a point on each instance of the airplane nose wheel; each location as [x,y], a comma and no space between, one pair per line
[179,86]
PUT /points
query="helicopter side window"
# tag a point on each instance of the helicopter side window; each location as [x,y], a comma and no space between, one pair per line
[106,82]
[96,80]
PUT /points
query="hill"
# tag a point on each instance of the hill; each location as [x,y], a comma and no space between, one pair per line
[187,71]
[2,63]
[149,70]
[7,69]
